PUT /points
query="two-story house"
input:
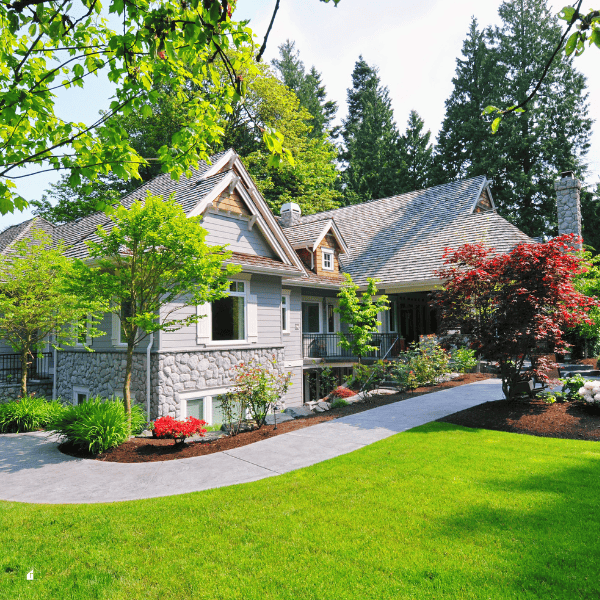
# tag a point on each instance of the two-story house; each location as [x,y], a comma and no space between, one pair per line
[283,301]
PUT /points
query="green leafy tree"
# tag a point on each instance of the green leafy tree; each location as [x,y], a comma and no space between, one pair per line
[416,155]
[49,45]
[370,154]
[311,180]
[150,262]
[360,313]
[63,203]
[36,308]
[308,87]
[530,148]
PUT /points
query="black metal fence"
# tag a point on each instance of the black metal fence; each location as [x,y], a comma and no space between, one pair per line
[10,367]
[326,345]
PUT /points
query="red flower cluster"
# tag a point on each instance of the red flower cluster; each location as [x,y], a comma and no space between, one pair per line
[168,427]
[342,392]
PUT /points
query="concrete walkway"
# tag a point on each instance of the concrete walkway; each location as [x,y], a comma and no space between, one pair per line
[33,470]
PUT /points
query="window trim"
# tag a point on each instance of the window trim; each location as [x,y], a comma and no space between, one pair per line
[78,389]
[88,338]
[245,295]
[331,255]
[320,303]
[207,396]
[285,328]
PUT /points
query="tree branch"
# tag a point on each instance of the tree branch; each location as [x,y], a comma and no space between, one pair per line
[264,44]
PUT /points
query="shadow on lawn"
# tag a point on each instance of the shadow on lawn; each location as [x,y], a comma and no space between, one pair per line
[541,521]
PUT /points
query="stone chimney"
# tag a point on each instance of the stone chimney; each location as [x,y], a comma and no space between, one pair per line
[290,214]
[568,204]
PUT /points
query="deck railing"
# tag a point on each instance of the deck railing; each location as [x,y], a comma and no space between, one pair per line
[10,367]
[326,345]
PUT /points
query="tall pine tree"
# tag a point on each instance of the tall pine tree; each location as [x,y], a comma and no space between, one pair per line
[370,154]
[308,87]
[416,155]
[532,148]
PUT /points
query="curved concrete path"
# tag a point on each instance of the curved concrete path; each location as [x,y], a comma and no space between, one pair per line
[33,470]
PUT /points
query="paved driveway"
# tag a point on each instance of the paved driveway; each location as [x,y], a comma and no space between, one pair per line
[33,470]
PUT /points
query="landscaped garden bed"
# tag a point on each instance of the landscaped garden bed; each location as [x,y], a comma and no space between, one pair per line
[150,449]
[568,420]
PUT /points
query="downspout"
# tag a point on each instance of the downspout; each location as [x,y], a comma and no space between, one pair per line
[148,390]
[55,357]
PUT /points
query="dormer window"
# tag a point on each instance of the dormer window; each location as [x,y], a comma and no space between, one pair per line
[327,260]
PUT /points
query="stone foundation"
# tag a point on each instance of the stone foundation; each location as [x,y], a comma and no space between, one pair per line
[102,373]
[10,391]
[181,372]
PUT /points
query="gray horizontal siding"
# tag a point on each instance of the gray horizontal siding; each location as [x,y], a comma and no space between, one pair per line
[224,230]
[268,297]
[294,396]
[184,337]
[293,339]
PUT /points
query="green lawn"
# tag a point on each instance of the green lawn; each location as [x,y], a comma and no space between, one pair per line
[437,512]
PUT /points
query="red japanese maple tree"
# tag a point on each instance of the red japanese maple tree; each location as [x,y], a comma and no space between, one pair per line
[515,305]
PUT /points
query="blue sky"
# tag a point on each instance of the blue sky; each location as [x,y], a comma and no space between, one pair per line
[414,44]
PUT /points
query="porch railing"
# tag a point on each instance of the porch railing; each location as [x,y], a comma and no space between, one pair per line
[326,345]
[10,367]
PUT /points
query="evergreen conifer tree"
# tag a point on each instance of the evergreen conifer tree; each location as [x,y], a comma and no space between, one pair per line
[308,87]
[532,148]
[370,154]
[416,155]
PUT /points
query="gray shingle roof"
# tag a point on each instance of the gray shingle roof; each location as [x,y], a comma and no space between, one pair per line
[401,240]
[306,234]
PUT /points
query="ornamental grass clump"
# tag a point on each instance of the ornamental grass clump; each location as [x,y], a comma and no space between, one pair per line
[29,413]
[97,425]
[173,429]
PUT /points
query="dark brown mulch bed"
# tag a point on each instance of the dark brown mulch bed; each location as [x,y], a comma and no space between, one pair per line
[149,450]
[569,420]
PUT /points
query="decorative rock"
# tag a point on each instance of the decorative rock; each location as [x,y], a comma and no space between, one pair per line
[323,405]
[298,411]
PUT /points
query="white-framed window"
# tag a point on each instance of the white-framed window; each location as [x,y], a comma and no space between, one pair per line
[228,315]
[118,335]
[285,313]
[80,394]
[311,317]
[327,260]
[203,405]
[230,320]
[83,337]
[392,318]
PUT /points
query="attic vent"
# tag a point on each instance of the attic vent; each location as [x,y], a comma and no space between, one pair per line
[290,214]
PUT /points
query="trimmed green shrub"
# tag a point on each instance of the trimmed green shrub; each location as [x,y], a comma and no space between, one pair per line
[29,413]
[338,402]
[464,359]
[98,425]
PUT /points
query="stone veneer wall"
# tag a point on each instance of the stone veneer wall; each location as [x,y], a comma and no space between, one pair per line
[103,373]
[568,205]
[177,372]
[172,373]
[39,388]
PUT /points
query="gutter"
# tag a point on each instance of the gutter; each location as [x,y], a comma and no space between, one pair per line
[148,390]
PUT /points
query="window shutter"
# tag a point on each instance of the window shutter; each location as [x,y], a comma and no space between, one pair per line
[252,319]
[204,325]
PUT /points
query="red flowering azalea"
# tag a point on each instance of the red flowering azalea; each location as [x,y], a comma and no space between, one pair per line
[342,392]
[170,428]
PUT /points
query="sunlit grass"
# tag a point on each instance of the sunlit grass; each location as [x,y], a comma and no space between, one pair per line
[437,512]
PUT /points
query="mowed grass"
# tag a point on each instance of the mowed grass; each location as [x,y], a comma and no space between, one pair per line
[437,512]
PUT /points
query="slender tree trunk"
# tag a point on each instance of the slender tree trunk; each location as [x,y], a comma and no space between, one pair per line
[24,366]
[127,383]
